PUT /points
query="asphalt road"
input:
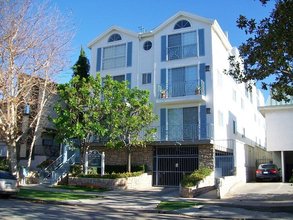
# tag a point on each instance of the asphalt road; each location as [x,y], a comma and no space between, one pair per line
[20,209]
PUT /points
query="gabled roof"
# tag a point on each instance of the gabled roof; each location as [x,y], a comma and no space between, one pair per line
[179,14]
[111,29]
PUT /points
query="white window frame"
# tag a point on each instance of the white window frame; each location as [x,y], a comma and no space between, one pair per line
[108,61]
[182,46]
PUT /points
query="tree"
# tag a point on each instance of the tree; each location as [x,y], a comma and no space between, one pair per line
[80,113]
[128,114]
[113,113]
[82,66]
[34,45]
[268,52]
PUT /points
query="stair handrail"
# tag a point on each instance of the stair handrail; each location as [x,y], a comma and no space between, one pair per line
[62,169]
[46,172]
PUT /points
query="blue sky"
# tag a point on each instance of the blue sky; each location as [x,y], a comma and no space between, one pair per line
[92,17]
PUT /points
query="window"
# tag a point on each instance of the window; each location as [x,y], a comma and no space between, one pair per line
[182,123]
[119,78]
[147,45]
[114,57]
[243,132]
[242,103]
[48,142]
[26,110]
[182,45]
[146,78]
[234,127]
[182,24]
[114,37]
[221,119]
[234,95]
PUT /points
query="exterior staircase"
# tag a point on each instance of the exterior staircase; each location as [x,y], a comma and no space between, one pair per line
[56,170]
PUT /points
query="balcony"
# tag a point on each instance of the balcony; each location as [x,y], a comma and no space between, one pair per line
[272,102]
[181,92]
[187,133]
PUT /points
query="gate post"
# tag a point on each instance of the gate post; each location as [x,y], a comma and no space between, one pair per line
[103,164]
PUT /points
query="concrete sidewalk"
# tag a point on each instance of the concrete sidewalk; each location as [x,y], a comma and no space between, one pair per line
[146,200]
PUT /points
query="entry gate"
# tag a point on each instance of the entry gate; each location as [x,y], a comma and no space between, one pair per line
[224,158]
[170,162]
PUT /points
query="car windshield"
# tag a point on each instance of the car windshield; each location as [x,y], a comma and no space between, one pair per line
[6,175]
[268,166]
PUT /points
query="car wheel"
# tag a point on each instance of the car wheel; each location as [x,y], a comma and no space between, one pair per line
[6,196]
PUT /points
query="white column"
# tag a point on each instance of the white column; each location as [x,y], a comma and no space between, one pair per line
[283,166]
[86,162]
[103,164]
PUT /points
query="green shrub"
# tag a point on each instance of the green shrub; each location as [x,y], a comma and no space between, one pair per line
[123,168]
[111,176]
[44,164]
[197,175]
[75,169]
[4,165]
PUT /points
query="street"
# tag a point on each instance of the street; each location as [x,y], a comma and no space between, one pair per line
[245,201]
[21,209]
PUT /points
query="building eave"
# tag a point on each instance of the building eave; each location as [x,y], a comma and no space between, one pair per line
[182,14]
[113,28]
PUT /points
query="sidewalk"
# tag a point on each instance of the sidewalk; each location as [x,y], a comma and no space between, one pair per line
[146,200]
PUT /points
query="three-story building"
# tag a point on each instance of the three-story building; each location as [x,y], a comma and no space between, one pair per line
[206,119]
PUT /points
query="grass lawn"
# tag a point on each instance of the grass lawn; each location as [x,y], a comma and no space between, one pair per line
[174,205]
[52,196]
[81,188]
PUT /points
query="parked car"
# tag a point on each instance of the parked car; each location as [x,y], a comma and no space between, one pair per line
[267,172]
[8,184]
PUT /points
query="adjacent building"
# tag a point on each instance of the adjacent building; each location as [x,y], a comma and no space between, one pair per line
[45,147]
[206,119]
[279,126]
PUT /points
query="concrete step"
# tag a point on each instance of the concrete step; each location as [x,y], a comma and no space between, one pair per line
[209,195]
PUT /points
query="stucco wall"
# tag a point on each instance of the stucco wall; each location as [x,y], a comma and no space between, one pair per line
[279,129]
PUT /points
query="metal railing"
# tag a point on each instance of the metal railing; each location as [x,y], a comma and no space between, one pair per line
[56,169]
[62,170]
[179,89]
[190,132]
[182,51]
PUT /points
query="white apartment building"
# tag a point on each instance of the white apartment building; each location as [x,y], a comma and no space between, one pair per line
[206,119]
[279,126]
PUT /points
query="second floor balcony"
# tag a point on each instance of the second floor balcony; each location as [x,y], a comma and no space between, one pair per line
[185,132]
[181,92]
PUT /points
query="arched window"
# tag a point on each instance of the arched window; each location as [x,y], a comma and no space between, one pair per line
[182,24]
[114,37]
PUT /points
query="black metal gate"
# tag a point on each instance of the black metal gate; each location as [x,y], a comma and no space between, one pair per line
[170,162]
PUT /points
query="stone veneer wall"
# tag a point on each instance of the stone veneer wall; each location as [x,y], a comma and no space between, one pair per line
[203,186]
[206,156]
[142,181]
[140,155]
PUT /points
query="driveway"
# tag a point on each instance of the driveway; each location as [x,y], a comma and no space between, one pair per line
[265,192]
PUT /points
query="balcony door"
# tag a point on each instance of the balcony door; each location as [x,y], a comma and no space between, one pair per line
[182,81]
[183,124]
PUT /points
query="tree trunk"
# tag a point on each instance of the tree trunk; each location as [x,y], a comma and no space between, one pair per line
[12,158]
